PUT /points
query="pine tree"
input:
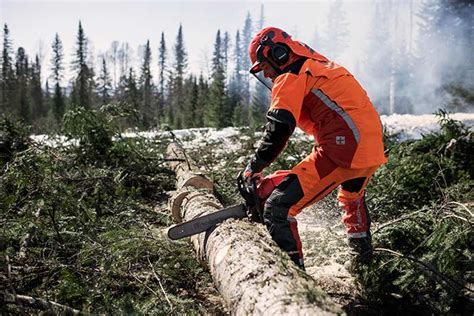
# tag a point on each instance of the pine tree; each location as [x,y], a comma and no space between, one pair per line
[104,82]
[7,90]
[22,103]
[337,31]
[57,68]
[38,107]
[162,59]
[83,85]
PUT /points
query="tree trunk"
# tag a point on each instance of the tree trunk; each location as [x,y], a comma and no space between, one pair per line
[249,270]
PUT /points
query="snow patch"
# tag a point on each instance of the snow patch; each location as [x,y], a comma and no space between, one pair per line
[410,126]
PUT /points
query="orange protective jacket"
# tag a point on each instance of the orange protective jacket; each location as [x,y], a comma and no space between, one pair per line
[327,101]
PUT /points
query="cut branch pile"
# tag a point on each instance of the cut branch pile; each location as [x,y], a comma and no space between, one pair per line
[249,270]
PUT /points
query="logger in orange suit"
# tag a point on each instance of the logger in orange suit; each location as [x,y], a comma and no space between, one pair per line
[326,101]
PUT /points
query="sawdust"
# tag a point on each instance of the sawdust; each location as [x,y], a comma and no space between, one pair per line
[326,252]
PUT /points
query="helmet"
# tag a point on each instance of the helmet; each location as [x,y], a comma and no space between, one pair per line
[274,44]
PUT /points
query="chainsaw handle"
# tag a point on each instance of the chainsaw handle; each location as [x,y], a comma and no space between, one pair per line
[249,192]
[256,199]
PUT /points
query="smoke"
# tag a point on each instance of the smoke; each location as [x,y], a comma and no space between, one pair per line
[407,54]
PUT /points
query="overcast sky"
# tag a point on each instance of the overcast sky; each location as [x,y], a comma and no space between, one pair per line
[34,23]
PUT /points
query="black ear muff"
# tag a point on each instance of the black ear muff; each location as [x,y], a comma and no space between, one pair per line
[279,54]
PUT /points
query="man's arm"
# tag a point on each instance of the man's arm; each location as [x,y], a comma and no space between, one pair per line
[281,124]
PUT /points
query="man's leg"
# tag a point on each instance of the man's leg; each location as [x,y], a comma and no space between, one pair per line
[308,182]
[351,198]
[282,228]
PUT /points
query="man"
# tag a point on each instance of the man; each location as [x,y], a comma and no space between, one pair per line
[324,100]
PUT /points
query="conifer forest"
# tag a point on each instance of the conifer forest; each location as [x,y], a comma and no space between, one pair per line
[89,185]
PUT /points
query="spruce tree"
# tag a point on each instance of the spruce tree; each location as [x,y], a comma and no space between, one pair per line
[47,98]
[318,42]
[127,91]
[225,52]
[202,101]
[261,97]
[38,106]
[190,101]
[22,104]
[377,70]
[7,89]
[176,104]
[216,113]
[247,35]
[104,83]
[113,56]
[162,59]
[236,84]
[124,57]
[147,110]
[337,30]
[83,84]
[57,69]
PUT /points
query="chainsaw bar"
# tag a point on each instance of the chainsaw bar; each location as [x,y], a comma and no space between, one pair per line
[203,223]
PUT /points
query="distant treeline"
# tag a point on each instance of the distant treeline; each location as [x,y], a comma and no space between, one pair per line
[395,74]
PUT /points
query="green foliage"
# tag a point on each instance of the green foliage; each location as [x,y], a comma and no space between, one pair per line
[13,138]
[423,238]
[80,224]
[421,172]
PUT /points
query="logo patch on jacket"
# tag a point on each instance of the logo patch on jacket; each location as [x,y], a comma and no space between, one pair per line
[340,140]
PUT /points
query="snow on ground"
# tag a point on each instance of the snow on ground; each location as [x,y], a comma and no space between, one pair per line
[411,126]
[407,126]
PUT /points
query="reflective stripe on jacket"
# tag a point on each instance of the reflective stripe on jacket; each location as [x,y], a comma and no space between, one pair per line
[328,102]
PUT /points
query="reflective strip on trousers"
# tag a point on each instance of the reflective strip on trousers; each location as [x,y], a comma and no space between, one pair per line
[357,235]
[333,106]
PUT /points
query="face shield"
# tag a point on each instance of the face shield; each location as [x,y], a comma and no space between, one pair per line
[267,82]
[256,70]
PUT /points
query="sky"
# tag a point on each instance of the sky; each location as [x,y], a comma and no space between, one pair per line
[34,23]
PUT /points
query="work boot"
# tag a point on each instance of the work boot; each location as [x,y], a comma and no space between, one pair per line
[361,248]
[361,251]
[298,261]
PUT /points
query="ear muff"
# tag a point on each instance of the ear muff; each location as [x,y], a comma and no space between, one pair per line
[279,53]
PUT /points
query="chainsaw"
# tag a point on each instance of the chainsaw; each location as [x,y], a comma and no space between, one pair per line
[254,194]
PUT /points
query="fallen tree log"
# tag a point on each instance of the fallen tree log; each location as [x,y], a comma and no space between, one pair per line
[249,270]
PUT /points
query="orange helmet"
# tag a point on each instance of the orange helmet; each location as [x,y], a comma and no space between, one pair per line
[273,43]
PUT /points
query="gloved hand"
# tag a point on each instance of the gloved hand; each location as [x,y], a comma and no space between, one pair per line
[248,175]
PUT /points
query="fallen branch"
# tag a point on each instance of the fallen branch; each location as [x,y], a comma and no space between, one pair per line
[37,303]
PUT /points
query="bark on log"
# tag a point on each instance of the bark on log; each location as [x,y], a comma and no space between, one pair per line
[249,270]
